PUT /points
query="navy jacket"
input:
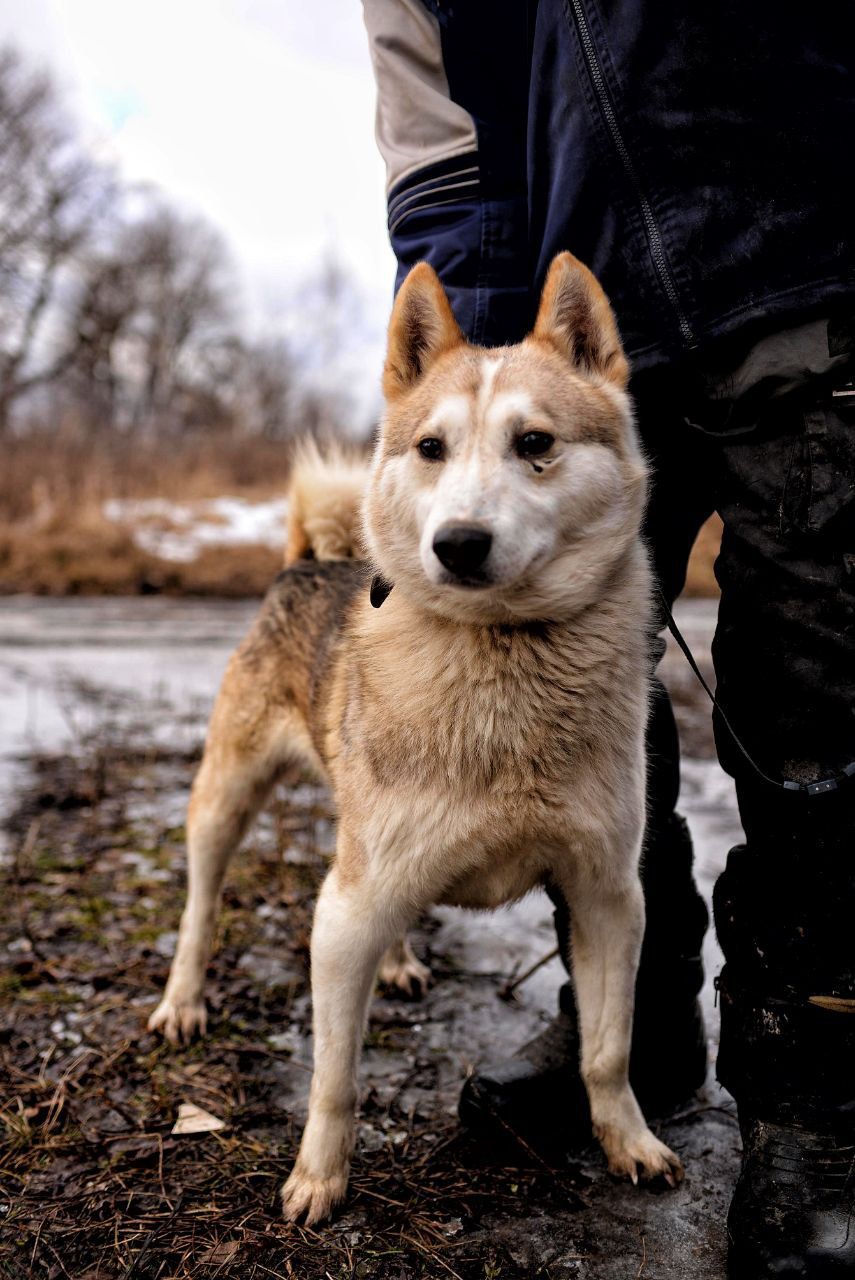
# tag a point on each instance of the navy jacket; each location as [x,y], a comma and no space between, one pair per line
[694,153]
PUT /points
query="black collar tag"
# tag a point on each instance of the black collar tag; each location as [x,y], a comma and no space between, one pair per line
[380,589]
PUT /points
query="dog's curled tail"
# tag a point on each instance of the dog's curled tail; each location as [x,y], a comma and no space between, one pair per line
[324,503]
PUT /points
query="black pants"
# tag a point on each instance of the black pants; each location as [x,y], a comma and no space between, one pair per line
[767,440]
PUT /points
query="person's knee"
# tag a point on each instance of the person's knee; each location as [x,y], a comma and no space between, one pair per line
[784,904]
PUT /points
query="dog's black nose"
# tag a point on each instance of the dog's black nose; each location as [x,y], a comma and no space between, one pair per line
[462,548]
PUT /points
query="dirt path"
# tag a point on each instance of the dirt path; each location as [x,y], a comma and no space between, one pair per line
[103,706]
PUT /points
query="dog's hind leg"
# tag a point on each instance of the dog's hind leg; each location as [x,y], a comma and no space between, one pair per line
[399,968]
[607,928]
[224,800]
[247,746]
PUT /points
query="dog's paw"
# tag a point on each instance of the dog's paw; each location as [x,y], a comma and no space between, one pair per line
[178,1021]
[641,1155]
[405,974]
[311,1199]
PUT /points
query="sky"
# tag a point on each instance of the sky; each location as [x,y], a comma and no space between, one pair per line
[256,114]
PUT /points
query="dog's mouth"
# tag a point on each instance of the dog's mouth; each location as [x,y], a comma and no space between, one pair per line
[467,582]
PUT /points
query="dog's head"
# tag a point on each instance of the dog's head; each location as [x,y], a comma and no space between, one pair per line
[507,483]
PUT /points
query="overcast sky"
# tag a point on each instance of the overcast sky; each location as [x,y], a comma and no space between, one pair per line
[258,114]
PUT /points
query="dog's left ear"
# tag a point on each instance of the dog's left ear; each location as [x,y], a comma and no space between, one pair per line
[576,318]
[421,329]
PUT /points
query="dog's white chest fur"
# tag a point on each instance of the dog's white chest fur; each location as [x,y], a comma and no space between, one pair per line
[476,751]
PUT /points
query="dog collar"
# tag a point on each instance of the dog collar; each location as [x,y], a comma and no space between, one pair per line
[379,591]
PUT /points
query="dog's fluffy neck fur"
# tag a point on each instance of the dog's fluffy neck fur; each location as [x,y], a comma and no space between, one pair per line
[539,680]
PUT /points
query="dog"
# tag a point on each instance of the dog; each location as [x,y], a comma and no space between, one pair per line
[475,693]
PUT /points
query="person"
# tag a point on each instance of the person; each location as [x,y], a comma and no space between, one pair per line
[690,156]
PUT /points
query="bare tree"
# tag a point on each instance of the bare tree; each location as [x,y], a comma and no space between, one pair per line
[324,325]
[182,317]
[117,306]
[269,402]
[51,197]
[155,328]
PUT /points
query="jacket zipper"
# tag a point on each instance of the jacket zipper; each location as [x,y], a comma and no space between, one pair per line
[654,236]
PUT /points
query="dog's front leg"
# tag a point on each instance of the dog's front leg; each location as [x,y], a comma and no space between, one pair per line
[353,926]
[607,930]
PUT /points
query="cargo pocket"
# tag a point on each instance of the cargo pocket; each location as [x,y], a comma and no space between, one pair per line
[794,475]
[829,434]
[766,477]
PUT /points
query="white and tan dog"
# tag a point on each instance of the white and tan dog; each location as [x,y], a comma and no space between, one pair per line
[483,730]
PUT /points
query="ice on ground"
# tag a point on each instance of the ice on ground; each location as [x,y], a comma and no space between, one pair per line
[180,530]
[133,654]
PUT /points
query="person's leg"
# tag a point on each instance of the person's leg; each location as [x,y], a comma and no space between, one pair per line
[677,917]
[524,1093]
[784,906]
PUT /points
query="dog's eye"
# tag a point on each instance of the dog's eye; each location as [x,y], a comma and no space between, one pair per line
[533,443]
[431,448]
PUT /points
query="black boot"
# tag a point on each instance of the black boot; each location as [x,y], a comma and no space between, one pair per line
[538,1093]
[789,1063]
[793,1210]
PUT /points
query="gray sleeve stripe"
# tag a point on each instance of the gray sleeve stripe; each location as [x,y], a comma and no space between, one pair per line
[401,204]
[419,208]
[413,187]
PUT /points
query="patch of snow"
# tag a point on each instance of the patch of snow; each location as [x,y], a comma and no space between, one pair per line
[180,530]
[290,1041]
[266,968]
[62,1031]
[165,944]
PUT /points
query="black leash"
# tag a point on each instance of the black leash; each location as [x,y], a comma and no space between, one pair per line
[808,788]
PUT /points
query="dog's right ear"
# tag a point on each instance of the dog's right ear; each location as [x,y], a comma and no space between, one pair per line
[421,329]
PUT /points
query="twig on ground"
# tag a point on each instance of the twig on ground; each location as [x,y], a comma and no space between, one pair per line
[507,989]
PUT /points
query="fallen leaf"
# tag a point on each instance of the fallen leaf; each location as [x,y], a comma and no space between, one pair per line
[192,1119]
[221,1253]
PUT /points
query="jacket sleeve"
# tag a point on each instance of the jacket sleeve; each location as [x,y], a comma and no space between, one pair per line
[452,102]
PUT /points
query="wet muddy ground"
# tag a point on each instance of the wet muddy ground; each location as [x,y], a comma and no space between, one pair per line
[103,707]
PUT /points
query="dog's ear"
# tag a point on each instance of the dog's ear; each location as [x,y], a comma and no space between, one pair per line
[421,329]
[575,317]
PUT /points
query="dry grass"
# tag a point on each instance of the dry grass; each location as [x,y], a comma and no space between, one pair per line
[68,470]
[55,540]
[90,556]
